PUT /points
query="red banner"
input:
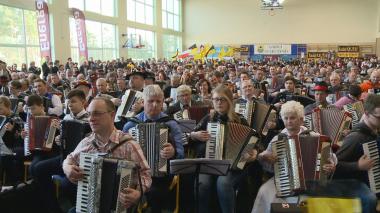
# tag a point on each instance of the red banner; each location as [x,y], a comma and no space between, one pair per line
[43,28]
[80,26]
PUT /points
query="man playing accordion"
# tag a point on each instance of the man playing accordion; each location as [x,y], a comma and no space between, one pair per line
[292,114]
[104,137]
[172,149]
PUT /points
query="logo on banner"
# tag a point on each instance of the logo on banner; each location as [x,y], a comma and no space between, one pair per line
[273,49]
[80,26]
[43,27]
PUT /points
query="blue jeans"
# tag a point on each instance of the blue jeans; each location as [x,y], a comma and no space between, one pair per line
[225,189]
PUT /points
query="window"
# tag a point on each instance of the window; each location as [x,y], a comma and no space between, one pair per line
[18,36]
[101,40]
[171,44]
[171,14]
[140,11]
[104,7]
[147,39]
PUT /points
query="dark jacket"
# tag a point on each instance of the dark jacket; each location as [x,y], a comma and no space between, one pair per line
[350,152]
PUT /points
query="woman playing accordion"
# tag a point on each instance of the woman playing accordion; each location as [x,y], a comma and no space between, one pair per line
[223,112]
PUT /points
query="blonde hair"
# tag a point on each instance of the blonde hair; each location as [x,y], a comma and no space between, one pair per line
[183,89]
[227,94]
[292,107]
[5,101]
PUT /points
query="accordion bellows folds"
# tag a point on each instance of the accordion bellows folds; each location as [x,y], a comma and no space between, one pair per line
[300,158]
[330,122]
[152,137]
[104,179]
[127,101]
[194,113]
[255,112]
[41,134]
[230,141]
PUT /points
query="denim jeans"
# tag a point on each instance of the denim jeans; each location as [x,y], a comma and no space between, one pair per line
[225,189]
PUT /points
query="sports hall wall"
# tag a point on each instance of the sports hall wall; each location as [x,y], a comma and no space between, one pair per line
[321,24]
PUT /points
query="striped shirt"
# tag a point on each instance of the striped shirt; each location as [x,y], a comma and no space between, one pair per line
[131,151]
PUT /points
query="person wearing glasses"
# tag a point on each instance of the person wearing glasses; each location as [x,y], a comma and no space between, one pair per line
[184,100]
[102,139]
[225,185]
[353,164]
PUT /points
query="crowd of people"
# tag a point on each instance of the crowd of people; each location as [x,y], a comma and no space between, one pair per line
[94,90]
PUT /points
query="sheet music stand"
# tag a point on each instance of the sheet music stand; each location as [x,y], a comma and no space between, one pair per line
[199,166]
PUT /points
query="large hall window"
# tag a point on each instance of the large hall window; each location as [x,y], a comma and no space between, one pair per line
[104,7]
[171,14]
[146,44]
[101,40]
[18,36]
[141,11]
[171,44]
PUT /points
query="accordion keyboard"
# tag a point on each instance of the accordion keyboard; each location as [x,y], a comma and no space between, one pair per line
[372,151]
[83,185]
[214,146]
[282,180]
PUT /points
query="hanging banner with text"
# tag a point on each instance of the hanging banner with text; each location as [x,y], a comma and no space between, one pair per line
[273,49]
[80,26]
[43,28]
[348,51]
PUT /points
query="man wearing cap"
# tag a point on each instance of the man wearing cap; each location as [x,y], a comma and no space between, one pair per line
[150,78]
[136,80]
[321,92]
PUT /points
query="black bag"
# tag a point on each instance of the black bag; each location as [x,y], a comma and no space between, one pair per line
[285,208]
[20,198]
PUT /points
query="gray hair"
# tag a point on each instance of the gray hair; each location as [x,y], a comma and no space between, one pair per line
[292,107]
[152,90]
[183,89]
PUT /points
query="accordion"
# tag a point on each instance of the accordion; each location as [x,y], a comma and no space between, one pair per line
[230,141]
[14,104]
[330,122]
[193,113]
[127,101]
[4,150]
[371,149]
[40,134]
[356,110]
[299,159]
[152,137]
[72,132]
[255,112]
[104,178]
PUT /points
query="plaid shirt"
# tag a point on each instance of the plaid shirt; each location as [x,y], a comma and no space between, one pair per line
[130,151]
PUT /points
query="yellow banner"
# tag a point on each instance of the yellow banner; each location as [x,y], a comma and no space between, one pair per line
[348,55]
[317,55]
[348,49]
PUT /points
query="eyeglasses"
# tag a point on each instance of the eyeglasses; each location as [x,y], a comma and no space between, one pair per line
[97,114]
[222,100]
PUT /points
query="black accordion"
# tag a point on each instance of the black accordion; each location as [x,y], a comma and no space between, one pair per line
[152,137]
[127,101]
[230,141]
[255,112]
[299,159]
[371,149]
[72,132]
[104,179]
[40,134]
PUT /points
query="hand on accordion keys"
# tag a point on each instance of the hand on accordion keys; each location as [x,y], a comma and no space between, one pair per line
[200,136]
[168,151]
[269,157]
[73,173]
[55,123]
[365,163]
[129,197]
[250,155]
